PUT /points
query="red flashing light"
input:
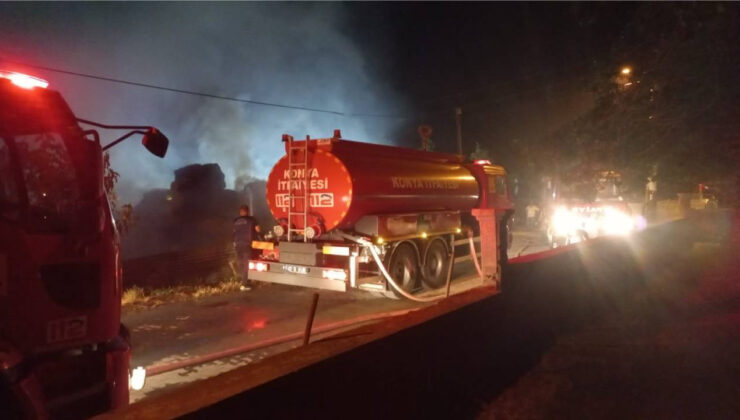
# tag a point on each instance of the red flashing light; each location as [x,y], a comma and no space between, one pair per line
[482,162]
[23,80]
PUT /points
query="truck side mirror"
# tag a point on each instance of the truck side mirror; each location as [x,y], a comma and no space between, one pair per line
[155,142]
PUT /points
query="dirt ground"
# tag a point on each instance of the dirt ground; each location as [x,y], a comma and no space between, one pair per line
[670,350]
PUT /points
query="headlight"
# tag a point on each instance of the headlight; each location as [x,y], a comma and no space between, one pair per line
[137,379]
[617,222]
[640,222]
[563,221]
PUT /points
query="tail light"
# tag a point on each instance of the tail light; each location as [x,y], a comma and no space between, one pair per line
[259,266]
[334,274]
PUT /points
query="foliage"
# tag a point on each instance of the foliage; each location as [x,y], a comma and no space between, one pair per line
[122,213]
[138,297]
[676,113]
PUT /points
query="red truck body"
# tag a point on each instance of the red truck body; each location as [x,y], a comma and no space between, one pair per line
[348,180]
[400,198]
[63,350]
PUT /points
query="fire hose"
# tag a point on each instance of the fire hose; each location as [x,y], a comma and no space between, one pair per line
[474,254]
[158,369]
[396,287]
[162,368]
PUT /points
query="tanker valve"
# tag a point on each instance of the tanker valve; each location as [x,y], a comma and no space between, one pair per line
[313,231]
[279,230]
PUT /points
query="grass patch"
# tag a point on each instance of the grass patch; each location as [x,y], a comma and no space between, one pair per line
[132,296]
[137,297]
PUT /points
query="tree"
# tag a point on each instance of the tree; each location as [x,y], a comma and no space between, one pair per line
[677,110]
[122,214]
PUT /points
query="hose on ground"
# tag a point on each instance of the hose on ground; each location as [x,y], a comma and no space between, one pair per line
[158,369]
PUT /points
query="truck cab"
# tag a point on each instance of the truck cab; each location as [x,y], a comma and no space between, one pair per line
[63,350]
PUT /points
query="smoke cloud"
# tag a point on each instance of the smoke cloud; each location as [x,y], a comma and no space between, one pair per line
[290,53]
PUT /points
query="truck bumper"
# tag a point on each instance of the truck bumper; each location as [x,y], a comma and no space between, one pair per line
[297,275]
[73,383]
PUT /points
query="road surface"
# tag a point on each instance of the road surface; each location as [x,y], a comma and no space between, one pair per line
[669,350]
[175,332]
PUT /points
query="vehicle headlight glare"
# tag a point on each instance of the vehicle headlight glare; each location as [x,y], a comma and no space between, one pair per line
[563,221]
[617,222]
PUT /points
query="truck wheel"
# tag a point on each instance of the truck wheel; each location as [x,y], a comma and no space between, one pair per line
[404,267]
[436,261]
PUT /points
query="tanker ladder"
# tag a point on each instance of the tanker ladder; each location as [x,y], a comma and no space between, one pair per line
[295,169]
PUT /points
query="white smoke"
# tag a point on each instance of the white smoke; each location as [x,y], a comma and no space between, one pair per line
[290,53]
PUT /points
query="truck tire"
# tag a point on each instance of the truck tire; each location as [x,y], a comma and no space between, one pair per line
[435,264]
[403,267]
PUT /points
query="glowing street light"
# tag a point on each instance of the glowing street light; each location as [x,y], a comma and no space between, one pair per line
[626,71]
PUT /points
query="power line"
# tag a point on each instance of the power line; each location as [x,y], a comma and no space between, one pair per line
[470,107]
[203,94]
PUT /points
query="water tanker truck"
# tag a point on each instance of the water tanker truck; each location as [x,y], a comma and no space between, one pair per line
[377,217]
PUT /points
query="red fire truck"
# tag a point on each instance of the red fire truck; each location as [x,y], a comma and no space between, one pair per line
[63,350]
[377,217]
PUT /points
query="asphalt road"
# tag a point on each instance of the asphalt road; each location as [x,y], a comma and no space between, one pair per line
[172,333]
[667,349]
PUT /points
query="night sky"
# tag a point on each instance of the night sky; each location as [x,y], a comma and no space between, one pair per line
[518,70]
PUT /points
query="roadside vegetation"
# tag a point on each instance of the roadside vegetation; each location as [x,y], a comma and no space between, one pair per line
[139,298]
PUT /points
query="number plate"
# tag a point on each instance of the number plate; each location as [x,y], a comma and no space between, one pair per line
[66,329]
[295,269]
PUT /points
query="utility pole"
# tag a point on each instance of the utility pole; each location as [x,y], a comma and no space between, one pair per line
[458,120]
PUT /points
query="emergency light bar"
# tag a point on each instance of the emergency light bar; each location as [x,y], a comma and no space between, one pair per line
[23,80]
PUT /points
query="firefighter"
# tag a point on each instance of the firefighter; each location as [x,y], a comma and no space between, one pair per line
[246,230]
